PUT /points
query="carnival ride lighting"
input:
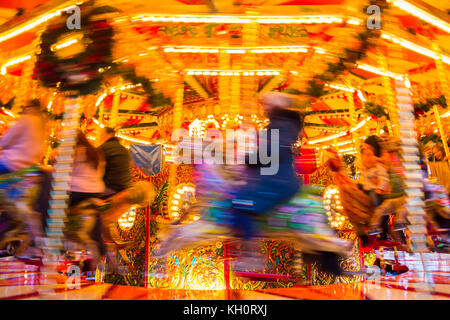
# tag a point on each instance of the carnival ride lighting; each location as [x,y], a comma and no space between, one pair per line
[243,19]
[347,150]
[126,221]
[341,87]
[9,113]
[340,134]
[183,195]
[241,50]
[343,143]
[236,51]
[421,14]
[66,44]
[414,47]
[361,96]
[375,70]
[332,205]
[132,139]
[445,115]
[191,72]
[33,23]
[359,125]
[354,22]
[98,123]
[335,136]
[13,62]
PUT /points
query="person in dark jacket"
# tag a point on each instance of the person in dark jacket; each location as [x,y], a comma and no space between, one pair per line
[117,175]
[264,191]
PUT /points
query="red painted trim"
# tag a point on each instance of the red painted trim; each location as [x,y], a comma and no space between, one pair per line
[226,270]
[147,243]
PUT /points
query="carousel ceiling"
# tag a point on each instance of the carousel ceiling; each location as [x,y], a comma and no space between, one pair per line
[191,37]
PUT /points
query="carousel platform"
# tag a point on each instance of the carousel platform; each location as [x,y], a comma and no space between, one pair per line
[22,281]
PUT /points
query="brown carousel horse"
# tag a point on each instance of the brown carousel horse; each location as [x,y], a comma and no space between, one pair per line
[357,205]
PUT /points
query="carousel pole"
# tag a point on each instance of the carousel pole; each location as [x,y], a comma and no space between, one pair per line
[355,135]
[101,112]
[113,121]
[177,121]
[402,116]
[59,195]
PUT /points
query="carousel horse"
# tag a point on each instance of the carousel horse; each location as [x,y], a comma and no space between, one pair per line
[357,205]
[21,225]
[81,220]
[437,209]
[300,220]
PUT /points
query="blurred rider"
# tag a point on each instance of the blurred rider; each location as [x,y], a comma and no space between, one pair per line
[23,145]
[263,192]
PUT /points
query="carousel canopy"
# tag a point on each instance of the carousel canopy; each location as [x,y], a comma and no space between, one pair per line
[224,52]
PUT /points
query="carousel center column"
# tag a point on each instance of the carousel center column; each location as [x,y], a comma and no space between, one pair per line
[224,81]
[250,38]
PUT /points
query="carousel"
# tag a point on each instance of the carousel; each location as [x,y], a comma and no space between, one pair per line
[356,68]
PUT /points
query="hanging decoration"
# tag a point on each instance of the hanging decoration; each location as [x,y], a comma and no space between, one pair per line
[80,61]
[421,108]
[74,60]
[347,61]
[376,110]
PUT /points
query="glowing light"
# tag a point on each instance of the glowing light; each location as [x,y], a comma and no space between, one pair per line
[361,96]
[419,13]
[414,47]
[65,44]
[121,136]
[340,134]
[126,221]
[231,72]
[347,150]
[341,87]
[354,22]
[9,113]
[332,200]
[335,136]
[33,23]
[98,123]
[380,72]
[183,196]
[359,125]
[312,19]
[13,62]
